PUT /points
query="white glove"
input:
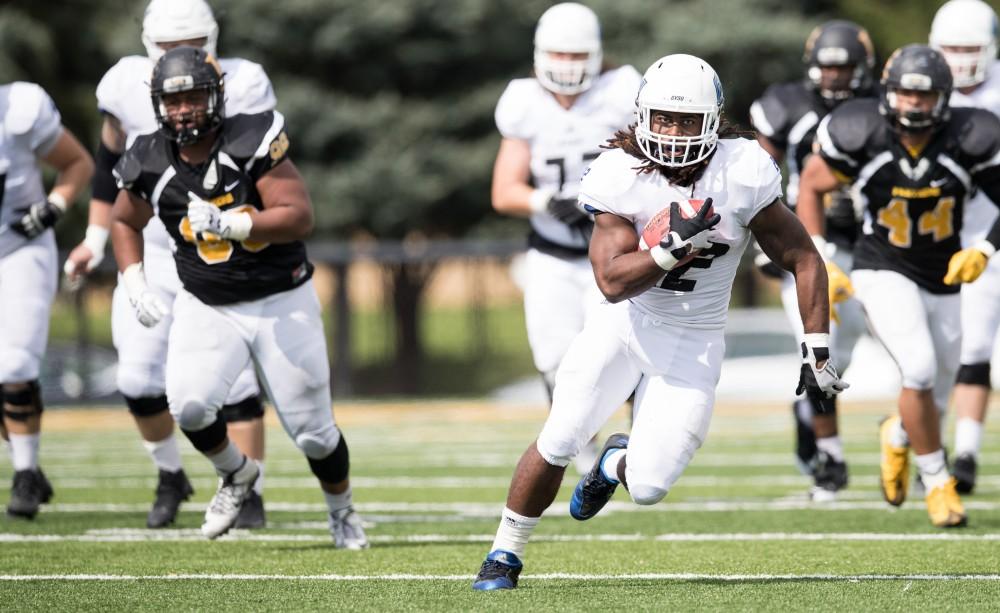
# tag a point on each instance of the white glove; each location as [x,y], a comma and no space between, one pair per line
[149,309]
[206,217]
[86,256]
[818,382]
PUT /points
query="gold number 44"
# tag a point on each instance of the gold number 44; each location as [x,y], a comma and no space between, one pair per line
[938,222]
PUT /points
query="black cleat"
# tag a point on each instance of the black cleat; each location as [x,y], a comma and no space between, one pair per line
[830,476]
[498,572]
[29,491]
[805,440]
[171,491]
[964,471]
[594,490]
[251,513]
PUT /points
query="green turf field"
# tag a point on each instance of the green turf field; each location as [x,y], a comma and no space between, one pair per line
[737,532]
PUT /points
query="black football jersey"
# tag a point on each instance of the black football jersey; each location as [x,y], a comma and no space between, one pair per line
[913,201]
[788,115]
[218,271]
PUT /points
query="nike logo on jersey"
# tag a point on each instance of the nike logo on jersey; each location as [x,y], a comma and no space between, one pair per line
[230,187]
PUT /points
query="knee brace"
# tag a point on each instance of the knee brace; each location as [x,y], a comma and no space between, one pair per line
[245,410]
[20,405]
[335,466]
[147,406]
[208,438]
[974,374]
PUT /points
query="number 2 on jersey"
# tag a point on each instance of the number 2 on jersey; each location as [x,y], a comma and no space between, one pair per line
[214,250]
[674,281]
[895,217]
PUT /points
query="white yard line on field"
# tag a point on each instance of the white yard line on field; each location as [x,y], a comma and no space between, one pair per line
[131,535]
[539,577]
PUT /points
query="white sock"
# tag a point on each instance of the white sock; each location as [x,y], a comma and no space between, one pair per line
[229,460]
[898,436]
[609,465]
[514,532]
[258,486]
[336,502]
[24,450]
[832,446]
[933,470]
[968,436]
[166,454]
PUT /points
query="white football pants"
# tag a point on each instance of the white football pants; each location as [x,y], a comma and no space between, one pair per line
[981,315]
[282,335]
[674,371]
[142,351]
[920,330]
[28,279]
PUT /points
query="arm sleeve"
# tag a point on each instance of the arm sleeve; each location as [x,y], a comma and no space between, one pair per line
[43,127]
[512,117]
[604,182]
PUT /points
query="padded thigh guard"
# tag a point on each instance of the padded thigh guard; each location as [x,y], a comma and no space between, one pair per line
[22,404]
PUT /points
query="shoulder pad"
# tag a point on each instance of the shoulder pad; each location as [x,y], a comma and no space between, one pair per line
[622,87]
[128,73]
[775,112]
[25,105]
[977,130]
[513,113]
[610,175]
[248,137]
[129,168]
[248,88]
[853,123]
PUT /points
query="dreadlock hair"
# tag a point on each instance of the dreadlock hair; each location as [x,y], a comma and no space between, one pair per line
[684,176]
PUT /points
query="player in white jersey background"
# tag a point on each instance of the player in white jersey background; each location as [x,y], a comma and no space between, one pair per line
[965,32]
[553,125]
[123,98]
[660,332]
[30,130]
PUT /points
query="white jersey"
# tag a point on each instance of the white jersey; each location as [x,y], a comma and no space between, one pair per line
[741,179]
[124,93]
[564,141]
[31,127]
[980,213]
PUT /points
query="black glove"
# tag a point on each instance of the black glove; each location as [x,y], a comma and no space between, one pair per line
[690,234]
[565,210]
[39,218]
[820,384]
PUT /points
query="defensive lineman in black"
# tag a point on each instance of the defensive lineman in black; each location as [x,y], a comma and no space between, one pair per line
[237,210]
[839,58]
[913,162]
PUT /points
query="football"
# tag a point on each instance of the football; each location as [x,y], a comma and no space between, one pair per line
[657,227]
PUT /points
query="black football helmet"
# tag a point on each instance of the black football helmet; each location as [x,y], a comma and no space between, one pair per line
[916,67]
[840,43]
[184,69]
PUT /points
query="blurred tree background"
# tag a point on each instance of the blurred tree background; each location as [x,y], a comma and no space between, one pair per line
[390,105]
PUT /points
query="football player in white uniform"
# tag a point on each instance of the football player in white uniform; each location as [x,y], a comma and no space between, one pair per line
[839,58]
[965,32]
[123,98]
[237,210]
[553,125]
[660,332]
[30,129]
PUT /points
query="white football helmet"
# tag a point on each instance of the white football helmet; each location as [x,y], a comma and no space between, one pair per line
[167,21]
[679,83]
[567,28]
[966,23]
